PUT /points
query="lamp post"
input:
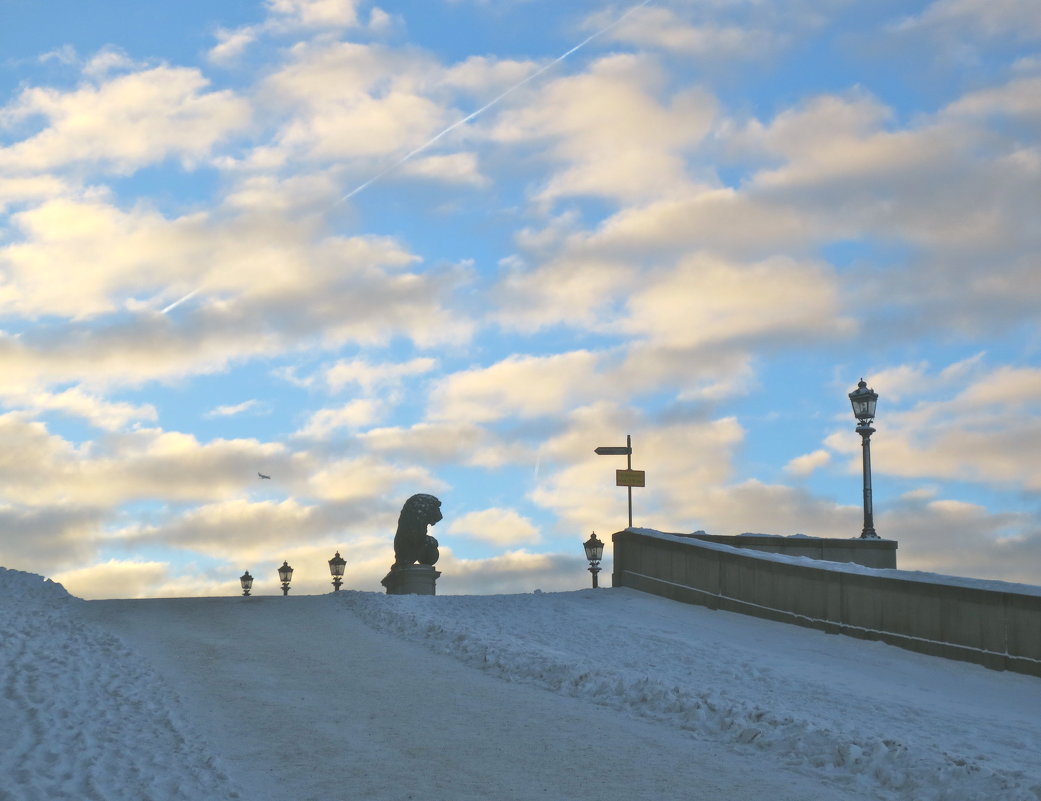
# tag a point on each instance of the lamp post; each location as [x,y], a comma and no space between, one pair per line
[336,566]
[246,580]
[285,575]
[594,550]
[864,401]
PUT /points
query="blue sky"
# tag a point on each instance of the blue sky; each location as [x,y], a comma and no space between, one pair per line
[701,228]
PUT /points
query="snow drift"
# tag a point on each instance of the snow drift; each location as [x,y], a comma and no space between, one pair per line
[92,715]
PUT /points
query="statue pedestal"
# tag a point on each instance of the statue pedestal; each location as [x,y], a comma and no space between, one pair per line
[414,580]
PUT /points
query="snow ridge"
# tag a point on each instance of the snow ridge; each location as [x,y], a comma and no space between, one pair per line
[545,639]
[84,717]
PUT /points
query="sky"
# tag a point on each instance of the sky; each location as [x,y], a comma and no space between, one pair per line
[452,246]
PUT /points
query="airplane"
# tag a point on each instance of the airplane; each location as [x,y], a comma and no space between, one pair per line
[263,476]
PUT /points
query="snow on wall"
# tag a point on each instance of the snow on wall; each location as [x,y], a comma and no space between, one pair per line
[84,718]
[992,623]
[992,585]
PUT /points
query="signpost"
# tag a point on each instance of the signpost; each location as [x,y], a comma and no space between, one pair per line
[630,478]
[627,478]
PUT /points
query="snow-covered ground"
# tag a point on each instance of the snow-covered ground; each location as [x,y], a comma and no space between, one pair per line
[607,694]
[82,715]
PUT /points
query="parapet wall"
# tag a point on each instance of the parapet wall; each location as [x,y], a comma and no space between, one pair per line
[867,552]
[996,628]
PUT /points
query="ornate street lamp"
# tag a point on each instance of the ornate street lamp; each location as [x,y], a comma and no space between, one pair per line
[336,566]
[246,580]
[594,550]
[864,401]
[285,575]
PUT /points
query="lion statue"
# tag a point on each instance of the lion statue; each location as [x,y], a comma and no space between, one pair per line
[411,542]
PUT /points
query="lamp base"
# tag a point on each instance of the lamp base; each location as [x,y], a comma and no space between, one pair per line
[414,580]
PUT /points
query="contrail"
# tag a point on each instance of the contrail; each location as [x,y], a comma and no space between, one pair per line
[491,103]
[177,303]
[456,124]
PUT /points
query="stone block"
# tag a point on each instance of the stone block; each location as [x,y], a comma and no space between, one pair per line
[414,580]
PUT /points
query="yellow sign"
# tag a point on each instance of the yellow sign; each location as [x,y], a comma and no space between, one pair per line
[630,478]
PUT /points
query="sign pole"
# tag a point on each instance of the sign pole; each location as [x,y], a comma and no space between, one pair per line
[627,478]
[629,465]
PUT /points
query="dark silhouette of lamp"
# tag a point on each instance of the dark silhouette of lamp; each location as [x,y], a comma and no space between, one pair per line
[336,566]
[285,575]
[864,401]
[594,552]
[246,580]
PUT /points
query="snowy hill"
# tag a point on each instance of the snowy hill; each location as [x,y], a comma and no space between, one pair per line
[607,694]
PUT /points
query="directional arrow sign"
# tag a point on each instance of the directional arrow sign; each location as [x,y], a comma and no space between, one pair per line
[628,478]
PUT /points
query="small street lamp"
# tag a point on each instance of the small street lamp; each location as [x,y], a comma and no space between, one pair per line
[864,401]
[336,566]
[594,550]
[246,580]
[285,575]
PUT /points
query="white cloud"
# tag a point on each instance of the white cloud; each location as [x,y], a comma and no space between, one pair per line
[961,539]
[92,408]
[115,579]
[107,60]
[36,188]
[41,469]
[233,43]
[124,123]
[686,462]
[236,527]
[573,289]
[526,386]
[664,28]
[1017,19]
[316,13]
[352,415]
[707,301]
[295,17]
[231,410]
[610,131]
[348,100]
[482,75]
[437,443]
[984,429]
[1018,98]
[899,382]
[808,462]
[372,376]
[498,526]
[243,274]
[50,537]
[457,168]
[368,477]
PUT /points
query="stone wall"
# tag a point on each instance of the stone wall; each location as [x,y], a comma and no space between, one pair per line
[996,628]
[870,553]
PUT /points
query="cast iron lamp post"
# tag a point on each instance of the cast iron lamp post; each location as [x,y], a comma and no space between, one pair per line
[336,566]
[864,400]
[594,550]
[285,575]
[246,580]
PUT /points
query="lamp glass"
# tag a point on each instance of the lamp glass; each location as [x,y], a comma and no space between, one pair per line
[336,565]
[594,548]
[864,401]
[285,573]
[246,580]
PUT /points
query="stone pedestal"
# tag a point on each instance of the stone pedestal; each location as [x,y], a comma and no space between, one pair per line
[414,580]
